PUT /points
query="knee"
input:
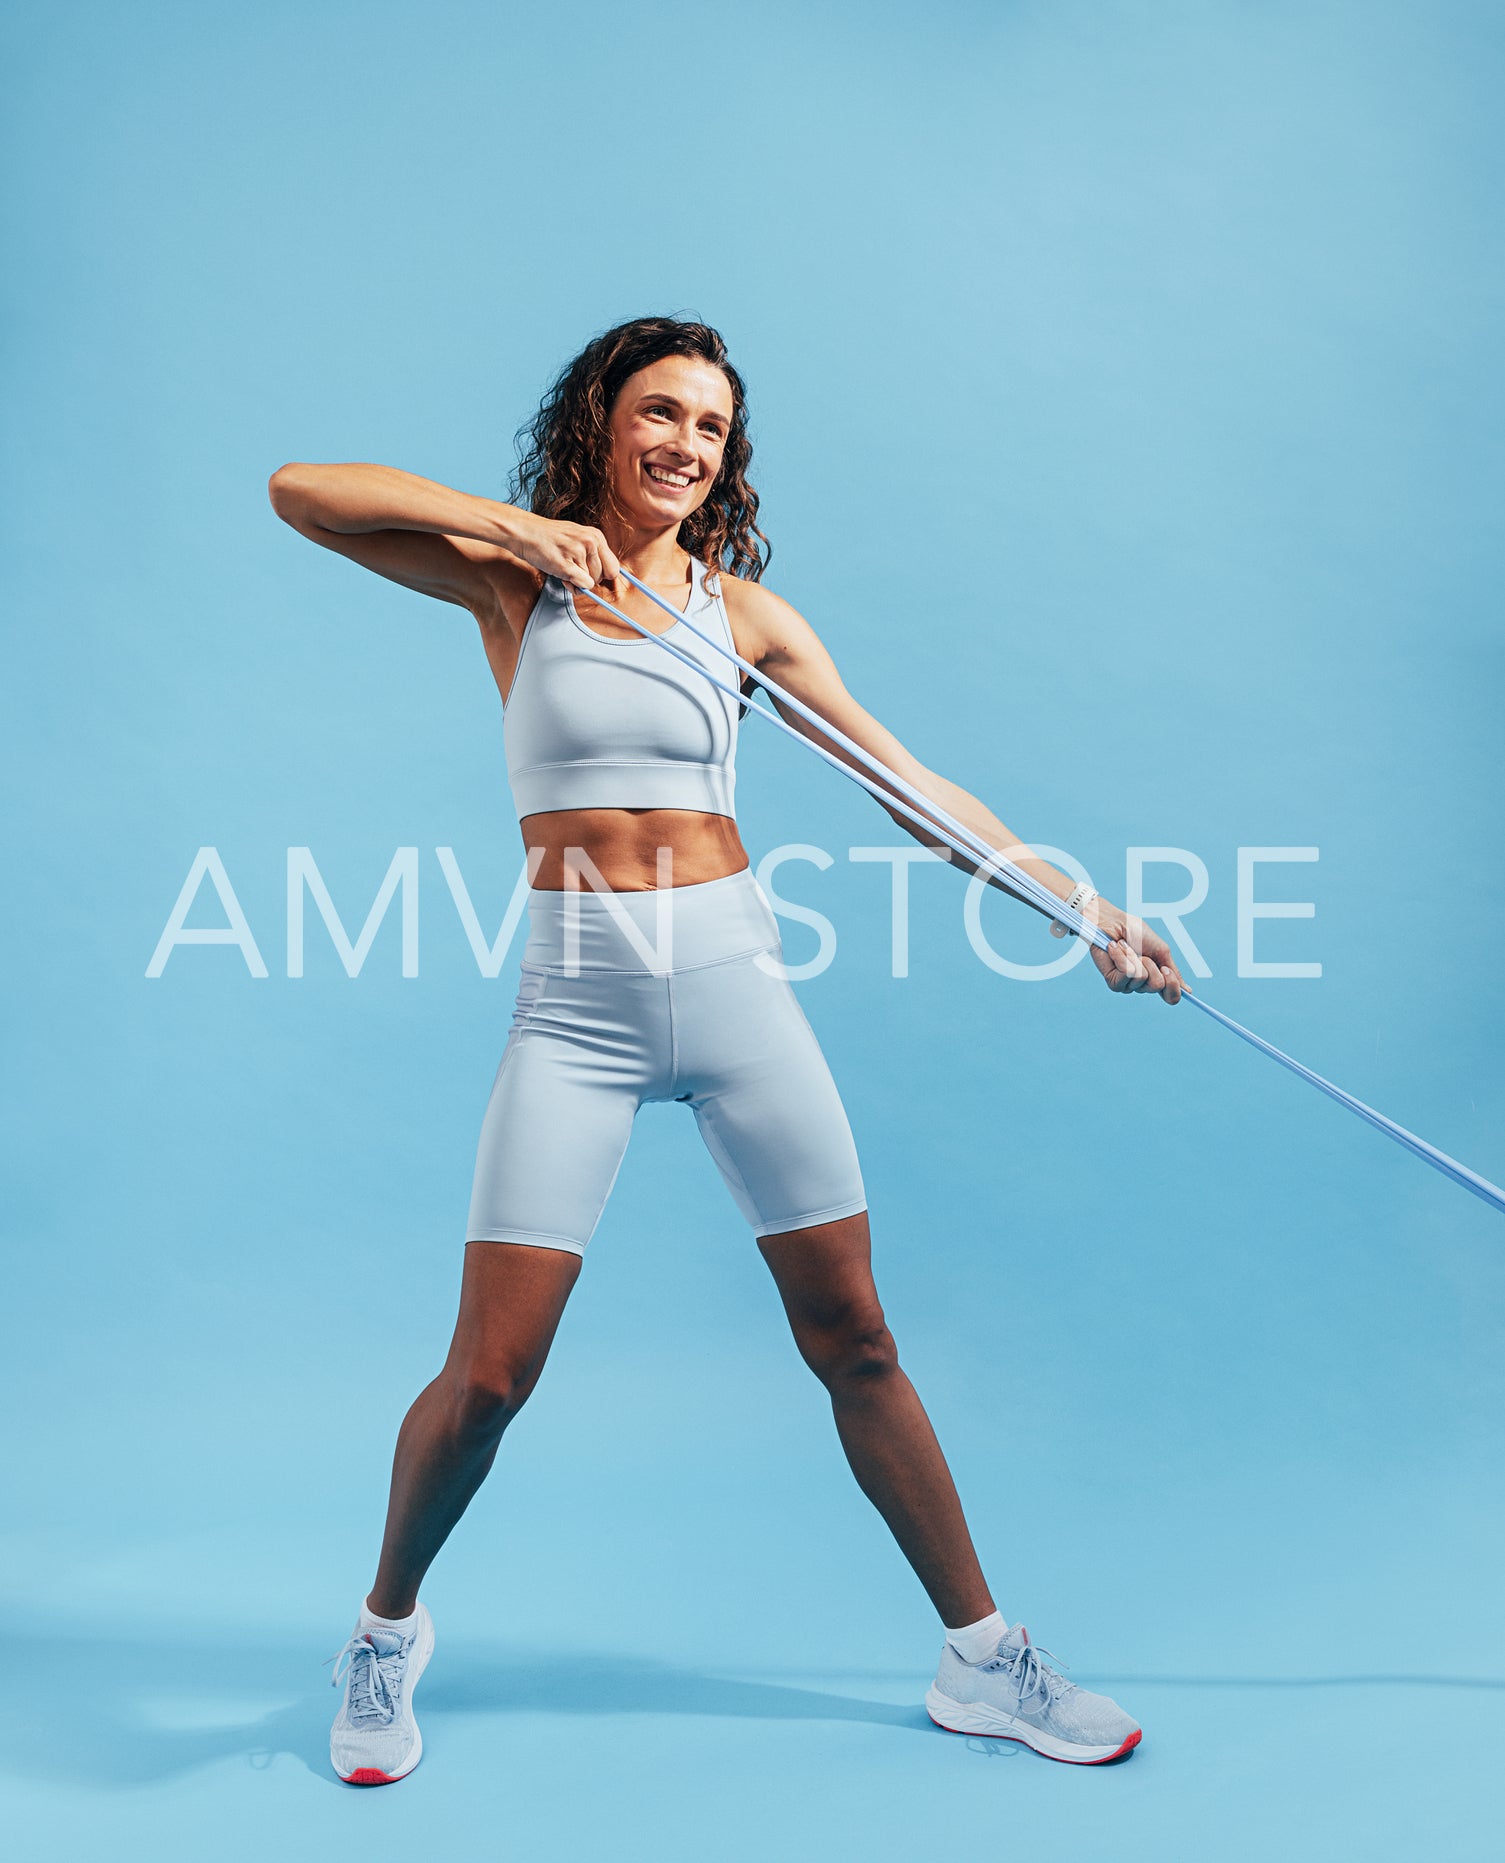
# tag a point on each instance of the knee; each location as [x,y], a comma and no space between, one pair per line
[855,1348]
[485,1399]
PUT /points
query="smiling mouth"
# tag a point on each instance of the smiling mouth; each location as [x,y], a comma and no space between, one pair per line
[671,481]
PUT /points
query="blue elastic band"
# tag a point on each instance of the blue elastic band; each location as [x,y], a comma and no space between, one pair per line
[967,842]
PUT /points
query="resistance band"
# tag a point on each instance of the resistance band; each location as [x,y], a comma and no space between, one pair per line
[967,842]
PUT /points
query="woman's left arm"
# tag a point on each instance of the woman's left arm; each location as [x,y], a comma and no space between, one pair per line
[1137,962]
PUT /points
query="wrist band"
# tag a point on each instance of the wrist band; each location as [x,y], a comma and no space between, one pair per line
[1079,898]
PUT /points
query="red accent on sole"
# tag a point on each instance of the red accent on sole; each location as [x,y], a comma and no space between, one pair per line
[371,1775]
[1107,1759]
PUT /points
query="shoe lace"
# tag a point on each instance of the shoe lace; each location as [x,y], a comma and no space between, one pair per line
[1033,1677]
[375,1677]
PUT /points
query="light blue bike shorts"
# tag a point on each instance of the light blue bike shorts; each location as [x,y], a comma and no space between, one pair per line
[659,995]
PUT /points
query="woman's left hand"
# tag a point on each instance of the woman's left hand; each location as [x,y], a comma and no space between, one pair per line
[1138,962]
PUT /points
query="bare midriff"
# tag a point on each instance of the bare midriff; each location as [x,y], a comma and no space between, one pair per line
[623,844]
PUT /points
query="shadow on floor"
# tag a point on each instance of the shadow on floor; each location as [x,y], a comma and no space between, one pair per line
[105,1710]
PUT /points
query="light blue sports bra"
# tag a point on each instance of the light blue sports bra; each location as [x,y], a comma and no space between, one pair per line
[620,724]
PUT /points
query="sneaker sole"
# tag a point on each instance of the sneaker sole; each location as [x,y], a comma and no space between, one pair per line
[418,1662]
[975,1718]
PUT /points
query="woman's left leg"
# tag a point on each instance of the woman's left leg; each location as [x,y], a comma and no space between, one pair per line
[825,1279]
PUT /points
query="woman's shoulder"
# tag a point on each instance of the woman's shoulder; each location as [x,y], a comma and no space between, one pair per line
[744,597]
[758,617]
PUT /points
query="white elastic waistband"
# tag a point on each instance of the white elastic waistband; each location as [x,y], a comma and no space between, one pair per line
[657,931]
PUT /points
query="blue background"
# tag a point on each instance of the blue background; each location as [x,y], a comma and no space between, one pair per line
[1127,411]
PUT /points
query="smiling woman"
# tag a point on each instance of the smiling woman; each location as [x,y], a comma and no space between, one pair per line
[681,431]
[663,980]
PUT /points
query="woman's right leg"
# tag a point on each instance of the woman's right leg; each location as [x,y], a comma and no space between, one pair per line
[511,1301]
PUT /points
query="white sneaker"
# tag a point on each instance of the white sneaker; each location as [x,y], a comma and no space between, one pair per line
[375,1739]
[1017,1697]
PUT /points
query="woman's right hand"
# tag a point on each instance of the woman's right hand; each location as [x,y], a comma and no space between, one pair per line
[1137,962]
[575,553]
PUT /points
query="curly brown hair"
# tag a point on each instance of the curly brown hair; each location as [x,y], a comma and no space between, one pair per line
[566,446]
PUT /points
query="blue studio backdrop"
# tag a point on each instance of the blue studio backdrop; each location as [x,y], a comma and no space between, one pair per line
[1126,398]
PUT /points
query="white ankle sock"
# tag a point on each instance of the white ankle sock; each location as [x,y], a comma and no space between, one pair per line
[975,1642]
[370,1620]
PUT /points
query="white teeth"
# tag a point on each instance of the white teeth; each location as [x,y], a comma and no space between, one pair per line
[676,479]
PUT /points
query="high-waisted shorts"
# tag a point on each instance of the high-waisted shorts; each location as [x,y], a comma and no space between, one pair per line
[670,994]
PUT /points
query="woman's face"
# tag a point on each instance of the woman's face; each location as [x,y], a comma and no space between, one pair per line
[668,433]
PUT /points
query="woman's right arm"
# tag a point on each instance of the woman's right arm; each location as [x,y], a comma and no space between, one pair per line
[429,537]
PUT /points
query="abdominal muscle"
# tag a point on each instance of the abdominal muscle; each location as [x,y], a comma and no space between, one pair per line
[623,844]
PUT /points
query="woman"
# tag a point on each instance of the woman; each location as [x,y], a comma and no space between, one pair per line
[657,980]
